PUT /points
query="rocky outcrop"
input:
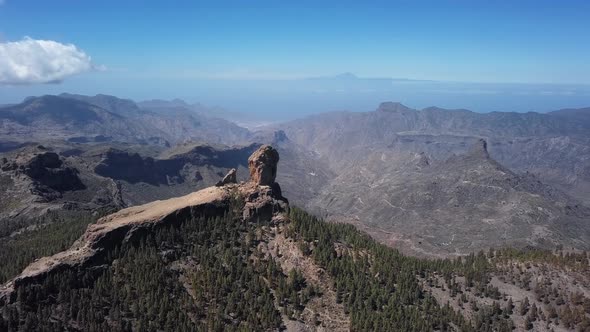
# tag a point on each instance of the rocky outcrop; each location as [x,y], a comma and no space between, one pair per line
[130,225]
[262,195]
[480,149]
[133,168]
[263,165]
[456,206]
[47,172]
[7,166]
[229,178]
[262,202]
[110,194]
[127,225]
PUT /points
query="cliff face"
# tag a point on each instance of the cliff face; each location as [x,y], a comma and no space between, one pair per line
[425,181]
[225,246]
[463,204]
[258,202]
[555,146]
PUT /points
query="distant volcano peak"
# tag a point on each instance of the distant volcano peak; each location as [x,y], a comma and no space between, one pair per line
[347,76]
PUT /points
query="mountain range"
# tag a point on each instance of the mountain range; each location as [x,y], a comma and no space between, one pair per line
[235,256]
[431,182]
[105,118]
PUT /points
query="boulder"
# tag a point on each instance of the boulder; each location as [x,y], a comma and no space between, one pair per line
[229,178]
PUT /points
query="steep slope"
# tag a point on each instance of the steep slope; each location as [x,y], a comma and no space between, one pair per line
[377,164]
[303,174]
[175,121]
[556,145]
[101,118]
[37,180]
[460,205]
[176,171]
[55,117]
[94,178]
[261,197]
[235,257]
[48,194]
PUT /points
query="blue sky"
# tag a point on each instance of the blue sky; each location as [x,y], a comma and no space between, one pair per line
[140,47]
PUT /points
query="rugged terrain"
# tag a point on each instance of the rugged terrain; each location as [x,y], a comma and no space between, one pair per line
[455,206]
[261,199]
[87,177]
[103,118]
[553,145]
[236,257]
[49,194]
[410,179]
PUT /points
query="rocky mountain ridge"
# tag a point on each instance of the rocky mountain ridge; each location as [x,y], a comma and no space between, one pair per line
[372,158]
[91,180]
[334,161]
[236,256]
[457,206]
[37,180]
[262,200]
[106,118]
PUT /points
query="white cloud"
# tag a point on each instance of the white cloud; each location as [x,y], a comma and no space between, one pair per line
[31,61]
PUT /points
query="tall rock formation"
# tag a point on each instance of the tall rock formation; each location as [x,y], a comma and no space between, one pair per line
[263,195]
[261,198]
[263,165]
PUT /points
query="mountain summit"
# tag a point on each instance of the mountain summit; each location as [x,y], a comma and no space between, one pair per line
[236,257]
[261,198]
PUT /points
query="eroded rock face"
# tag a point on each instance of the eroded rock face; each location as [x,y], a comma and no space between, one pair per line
[49,174]
[263,165]
[480,149]
[261,202]
[230,177]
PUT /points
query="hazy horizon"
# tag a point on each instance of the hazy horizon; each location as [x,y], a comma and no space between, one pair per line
[257,58]
[282,100]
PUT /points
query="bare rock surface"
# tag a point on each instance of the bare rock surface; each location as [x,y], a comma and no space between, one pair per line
[445,182]
[454,206]
[230,177]
[125,225]
[263,165]
[328,309]
[36,179]
[131,224]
